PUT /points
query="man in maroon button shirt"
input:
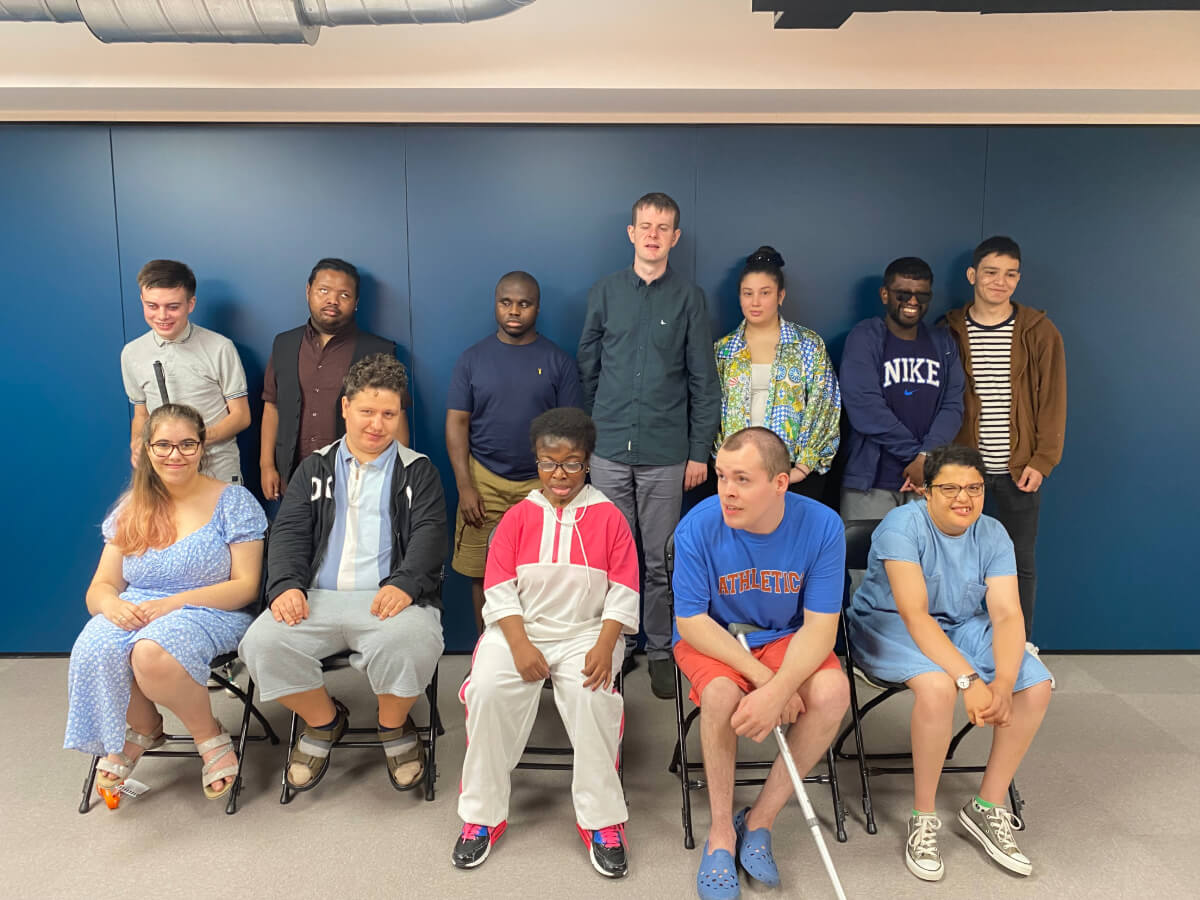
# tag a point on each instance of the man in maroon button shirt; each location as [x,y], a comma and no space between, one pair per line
[302,386]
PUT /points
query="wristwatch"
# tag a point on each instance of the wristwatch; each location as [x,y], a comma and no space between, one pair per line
[964,681]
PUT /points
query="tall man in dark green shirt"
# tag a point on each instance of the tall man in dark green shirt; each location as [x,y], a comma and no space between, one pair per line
[650,382]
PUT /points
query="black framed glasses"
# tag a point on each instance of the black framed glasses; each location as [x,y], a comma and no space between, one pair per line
[162,449]
[549,465]
[950,491]
[922,297]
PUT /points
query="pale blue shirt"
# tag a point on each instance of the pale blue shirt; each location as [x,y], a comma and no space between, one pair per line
[359,554]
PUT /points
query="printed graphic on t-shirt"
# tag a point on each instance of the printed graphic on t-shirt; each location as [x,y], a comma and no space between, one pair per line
[766,581]
[911,374]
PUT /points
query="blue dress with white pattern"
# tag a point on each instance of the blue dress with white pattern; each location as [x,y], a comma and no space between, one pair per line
[100,675]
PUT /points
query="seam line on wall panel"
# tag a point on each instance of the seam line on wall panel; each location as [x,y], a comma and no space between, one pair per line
[695,142]
[112,169]
[987,145]
[412,342]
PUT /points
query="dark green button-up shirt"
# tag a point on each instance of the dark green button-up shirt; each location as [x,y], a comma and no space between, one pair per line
[647,369]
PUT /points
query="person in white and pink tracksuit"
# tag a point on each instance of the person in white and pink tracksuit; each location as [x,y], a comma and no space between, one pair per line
[560,590]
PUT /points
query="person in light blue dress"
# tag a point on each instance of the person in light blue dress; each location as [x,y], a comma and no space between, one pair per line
[939,611]
[182,559]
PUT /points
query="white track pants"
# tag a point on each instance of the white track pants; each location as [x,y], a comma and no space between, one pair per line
[501,710]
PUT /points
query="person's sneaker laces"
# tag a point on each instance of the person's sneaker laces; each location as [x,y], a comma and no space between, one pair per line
[921,853]
[993,828]
[1033,651]
[474,844]
[607,851]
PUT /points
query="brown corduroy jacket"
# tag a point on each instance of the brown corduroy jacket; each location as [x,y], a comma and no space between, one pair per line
[1038,418]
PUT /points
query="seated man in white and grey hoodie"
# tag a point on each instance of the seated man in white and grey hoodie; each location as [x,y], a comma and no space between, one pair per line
[354,563]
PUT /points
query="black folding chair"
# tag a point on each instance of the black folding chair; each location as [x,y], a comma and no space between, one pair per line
[681,766]
[858,547]
[368,738]
[558,752]
[217,673]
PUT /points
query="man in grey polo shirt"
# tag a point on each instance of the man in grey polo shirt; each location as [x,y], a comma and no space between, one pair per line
[649,380]
[201,368]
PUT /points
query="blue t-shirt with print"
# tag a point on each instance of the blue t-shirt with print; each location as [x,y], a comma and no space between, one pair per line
[505,387]
[911,375]
[766,580]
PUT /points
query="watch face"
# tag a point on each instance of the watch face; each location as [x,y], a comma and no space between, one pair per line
[964,682]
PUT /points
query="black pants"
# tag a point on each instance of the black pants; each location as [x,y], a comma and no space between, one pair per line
[1018,513]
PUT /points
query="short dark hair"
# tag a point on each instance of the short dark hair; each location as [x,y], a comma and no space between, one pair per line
[1005,246]
[379,371]
[524,279]
[333,264]
[951,455]
[908,267]
[766,260]
[564,424]
[771,448]
[167,273]
[660,201]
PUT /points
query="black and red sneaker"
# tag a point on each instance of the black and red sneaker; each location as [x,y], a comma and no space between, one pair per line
[475,843]
[607,850]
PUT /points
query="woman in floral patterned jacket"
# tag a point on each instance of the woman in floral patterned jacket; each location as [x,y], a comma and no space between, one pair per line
[777,374]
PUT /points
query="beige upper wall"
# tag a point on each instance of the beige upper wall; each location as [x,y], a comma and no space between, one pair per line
[632,60]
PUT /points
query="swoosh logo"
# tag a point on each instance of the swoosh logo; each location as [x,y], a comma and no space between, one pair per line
[908,393]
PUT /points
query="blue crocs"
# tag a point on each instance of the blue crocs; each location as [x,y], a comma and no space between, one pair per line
[754,851]
[718,877]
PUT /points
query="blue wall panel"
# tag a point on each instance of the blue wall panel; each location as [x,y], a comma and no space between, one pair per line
[552,201]
[63,465]
[1109,225]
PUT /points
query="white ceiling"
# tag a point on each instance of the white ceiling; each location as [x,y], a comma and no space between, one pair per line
[631,61]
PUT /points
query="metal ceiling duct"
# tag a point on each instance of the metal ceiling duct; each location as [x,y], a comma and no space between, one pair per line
[244,21]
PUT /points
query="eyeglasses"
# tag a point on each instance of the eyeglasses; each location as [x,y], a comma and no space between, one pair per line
[549,465]
[162,449]
[922,297]
[950,491]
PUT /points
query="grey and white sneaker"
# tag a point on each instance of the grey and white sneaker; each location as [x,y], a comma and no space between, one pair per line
[921,853]
[993,828]
[1032,649]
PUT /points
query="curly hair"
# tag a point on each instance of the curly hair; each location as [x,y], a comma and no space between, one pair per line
[379,371]
[565,424]
[951,455]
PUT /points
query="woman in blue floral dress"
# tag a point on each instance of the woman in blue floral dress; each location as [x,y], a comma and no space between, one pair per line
[776,374]
[182,558]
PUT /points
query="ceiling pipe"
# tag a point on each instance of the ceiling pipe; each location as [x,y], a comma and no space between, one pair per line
[244,21]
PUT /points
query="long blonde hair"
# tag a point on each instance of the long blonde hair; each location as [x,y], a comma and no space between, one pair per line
[145,519]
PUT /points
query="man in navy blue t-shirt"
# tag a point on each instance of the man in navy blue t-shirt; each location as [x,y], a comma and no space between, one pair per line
[499,386]
[757,555]
[902,386]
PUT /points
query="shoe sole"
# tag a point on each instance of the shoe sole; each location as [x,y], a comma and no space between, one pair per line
[596,866]
[923,874]
[999,856]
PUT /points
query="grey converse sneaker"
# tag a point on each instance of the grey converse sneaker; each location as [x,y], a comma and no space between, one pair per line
[993,828]
[921,854]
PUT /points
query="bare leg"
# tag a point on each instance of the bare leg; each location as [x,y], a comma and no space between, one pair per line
[934,696]
[143,717]
[1010,744]
[719,743]
[394,710]
[314,706]
[477,601]
[826,696]
[164,680]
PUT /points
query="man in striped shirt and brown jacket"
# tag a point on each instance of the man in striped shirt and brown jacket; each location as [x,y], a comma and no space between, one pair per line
[1015,402]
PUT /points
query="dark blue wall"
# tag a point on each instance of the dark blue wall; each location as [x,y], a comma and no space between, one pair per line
[1109,219]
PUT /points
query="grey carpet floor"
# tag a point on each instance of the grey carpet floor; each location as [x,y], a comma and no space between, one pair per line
[1112,784]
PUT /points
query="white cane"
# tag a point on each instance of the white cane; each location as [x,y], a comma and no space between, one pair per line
[740,631]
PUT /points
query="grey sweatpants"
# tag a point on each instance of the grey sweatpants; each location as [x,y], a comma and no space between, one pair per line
[398,654]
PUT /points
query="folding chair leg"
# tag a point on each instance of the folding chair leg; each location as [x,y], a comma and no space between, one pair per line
[839,811]
[435,729]
[1016,804]
[962,733]
[856,725]
[85,802]
[689,840]
[286,793]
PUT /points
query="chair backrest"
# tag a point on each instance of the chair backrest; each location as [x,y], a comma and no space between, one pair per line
[858,542]
[669,565]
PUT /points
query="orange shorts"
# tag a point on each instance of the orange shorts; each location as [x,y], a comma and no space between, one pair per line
[700,669]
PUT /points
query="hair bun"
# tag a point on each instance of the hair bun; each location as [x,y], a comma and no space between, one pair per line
[765,256]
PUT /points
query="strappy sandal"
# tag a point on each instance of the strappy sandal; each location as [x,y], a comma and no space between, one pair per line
[210,772]
[401,747]
[109,774]
[313,747]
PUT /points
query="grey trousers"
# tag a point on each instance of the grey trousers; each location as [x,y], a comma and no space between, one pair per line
[398,654]
[650,498]
[873,504]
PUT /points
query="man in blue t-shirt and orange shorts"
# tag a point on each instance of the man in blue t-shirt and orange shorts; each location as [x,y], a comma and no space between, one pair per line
[499,386]
[757,555]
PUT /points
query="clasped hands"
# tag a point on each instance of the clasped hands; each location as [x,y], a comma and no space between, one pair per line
[764,708]
[132,616]
[597,664]
[988,704]
[291,607]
